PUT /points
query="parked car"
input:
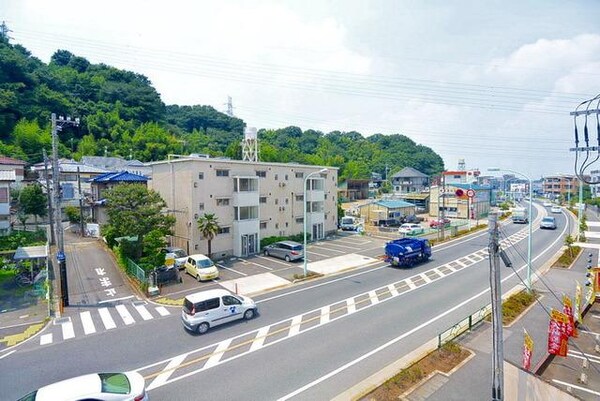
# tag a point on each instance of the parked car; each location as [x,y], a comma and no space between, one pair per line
[389,223]
[439,223]
[167,274]
[201,267]
[547,204]
[411,229]
[178,254]
[413,218]
[548,222]
[556,209]
[287,250]
[128,386]
[207,309]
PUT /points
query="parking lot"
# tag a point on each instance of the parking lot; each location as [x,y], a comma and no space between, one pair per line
[269,272]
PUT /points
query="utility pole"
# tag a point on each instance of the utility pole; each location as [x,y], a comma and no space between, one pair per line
[497,340]
[48,192]
[81,224]
[443,224]
[57,125]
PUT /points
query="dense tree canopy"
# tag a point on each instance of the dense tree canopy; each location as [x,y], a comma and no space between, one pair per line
[122,114]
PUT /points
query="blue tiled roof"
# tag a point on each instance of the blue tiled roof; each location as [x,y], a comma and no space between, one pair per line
[394,204]
[122,176]
[470,186]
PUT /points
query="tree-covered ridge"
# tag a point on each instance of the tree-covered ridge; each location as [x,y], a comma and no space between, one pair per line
[122,114]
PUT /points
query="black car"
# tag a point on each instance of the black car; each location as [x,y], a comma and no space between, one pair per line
[166,274]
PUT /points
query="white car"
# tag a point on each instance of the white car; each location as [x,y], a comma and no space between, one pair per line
[411,229]
[556,209]
[547,204]
[128,386]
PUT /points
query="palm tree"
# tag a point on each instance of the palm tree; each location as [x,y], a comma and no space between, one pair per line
[208,225]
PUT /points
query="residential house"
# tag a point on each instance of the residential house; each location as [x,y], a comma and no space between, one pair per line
[104,182]
[251,200]
[352,189]
[376,211]
[10,164]
[409,180]
[7,177]
[111,163]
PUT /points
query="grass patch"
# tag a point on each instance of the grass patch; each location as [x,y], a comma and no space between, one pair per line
[568,257]
[443,359]
[514,306]
[309,275]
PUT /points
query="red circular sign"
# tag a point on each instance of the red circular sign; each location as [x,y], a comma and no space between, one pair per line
[459,192]
[470,193]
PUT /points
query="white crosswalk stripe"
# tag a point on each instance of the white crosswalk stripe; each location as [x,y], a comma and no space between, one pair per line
[46,339]
[87,322]
[143,312]
[68,330]
[125,315]
[162,311]
[107,319]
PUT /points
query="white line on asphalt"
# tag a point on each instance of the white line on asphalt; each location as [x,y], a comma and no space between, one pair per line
[115,299]
[260,338]
[45,339]
[410,284]
[590,357]
[353,248]
[350,305]
[218,353]
[162,310]
[67,330]
[460,263]
[7,354]
[328,249]
[274,260]
[295,327]
[125,315]
[426,278]
[263,266]
[107,320]
[230,269]
[450,268]
[88,324]
[393,290]
[373,297]
[413,330]
[586,390]
[167,372]
[325,314]
[437,270]
[318,254]
[143,312]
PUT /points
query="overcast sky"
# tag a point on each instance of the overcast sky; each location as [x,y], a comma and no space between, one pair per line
[492,82]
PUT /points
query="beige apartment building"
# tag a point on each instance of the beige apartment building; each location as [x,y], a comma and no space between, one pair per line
[251,200]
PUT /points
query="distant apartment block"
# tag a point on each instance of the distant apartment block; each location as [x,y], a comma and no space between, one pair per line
[560,184]
[252,200]
[461,176]
[352,189]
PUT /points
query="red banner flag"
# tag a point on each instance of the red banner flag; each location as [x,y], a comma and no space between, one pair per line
[527,350]
[568,310]
[557,336]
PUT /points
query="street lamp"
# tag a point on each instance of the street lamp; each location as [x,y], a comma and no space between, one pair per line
[323,170]
[529,219]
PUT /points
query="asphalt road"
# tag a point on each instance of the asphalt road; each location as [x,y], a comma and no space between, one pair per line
[311,341]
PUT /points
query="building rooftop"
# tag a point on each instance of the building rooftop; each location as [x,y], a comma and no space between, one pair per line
[407,172]
[121,176]
[393,204]
[183,159]
[8,175]
[10,160]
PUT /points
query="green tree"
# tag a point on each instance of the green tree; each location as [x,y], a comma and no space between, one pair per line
[134,210]
[153,242]
[33,201]
[208,225]
[72,213]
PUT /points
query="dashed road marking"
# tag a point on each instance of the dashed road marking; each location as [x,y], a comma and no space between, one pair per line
[46,339]
[295,327]
[217,354]
[168,371]
[325,314]
[260,338]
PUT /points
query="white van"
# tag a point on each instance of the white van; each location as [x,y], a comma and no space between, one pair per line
[211,308]
[201,267]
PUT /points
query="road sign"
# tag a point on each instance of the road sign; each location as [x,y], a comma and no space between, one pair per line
[470,193]
[60,256]
[459,192]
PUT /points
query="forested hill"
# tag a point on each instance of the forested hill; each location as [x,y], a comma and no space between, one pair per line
[122,114]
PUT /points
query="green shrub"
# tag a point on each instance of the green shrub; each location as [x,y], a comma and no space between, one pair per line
[271,240]
[22,238]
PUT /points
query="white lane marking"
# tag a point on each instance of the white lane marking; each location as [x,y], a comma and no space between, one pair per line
[325,314]
[393,290]
[272,259]
[259,265]
[260,338]
[115,299]
[460,263]
[295,327]
[68,330]
[578,355]
[167,372]
[230,269]
[125,315]
[351,306]
[143,312]
[46,339]
[425,278]
[217,354]
[318,254]
[87,322]
[353,248]
[162,311]
[373,297]
[438,271]
[410,284]
[452,269]
[328,249]
[107,320]
[413,330]
[586,390]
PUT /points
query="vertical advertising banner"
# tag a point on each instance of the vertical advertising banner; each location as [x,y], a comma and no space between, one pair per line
[577,310]
[557,336]
[527,350]
[568,310]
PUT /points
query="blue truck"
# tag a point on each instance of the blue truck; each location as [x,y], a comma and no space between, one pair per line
[406,252]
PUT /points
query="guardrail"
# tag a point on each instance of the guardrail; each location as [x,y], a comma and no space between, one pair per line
[134,270]
[464,325]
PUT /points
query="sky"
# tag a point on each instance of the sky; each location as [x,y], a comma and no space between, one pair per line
[490,82]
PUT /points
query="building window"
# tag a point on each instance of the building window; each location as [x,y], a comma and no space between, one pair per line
[276,177]
[245,212]
[223,230]
[287,201]
[299,220]
[286,224]
[299,198]
[299,175]
[261,174]
[223,202]
[201,206]
[286,177]
[245,185]
[263,225]
[201,176]
[222,173]
[262,199]
[276,201]
[276,225]
[3,195]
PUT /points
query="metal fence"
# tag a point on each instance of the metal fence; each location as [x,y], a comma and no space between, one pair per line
[464,325]
[134,270]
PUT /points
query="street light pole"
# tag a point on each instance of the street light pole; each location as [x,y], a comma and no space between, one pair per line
[529,219]
[304,220]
